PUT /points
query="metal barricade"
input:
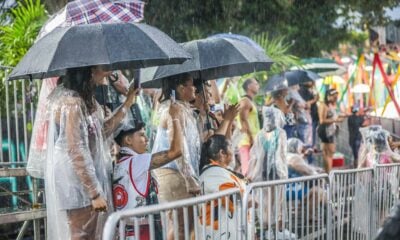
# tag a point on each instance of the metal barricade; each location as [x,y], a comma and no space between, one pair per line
[351,198]
[298,205]
[387,177]
[17,110]
[213,216]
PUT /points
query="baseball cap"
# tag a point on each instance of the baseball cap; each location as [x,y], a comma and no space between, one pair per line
[129,125]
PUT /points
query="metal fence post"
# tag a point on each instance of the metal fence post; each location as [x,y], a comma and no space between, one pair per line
[35,205]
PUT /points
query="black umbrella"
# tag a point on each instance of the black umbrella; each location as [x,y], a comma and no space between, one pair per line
[295,77]
[275,83]
[112,45]
[212,58]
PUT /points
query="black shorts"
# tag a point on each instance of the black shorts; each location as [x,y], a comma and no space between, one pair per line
[322,135]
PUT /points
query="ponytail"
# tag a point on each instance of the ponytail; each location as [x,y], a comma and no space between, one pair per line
[211,148]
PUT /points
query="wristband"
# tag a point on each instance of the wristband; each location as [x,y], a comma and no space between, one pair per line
[96,196]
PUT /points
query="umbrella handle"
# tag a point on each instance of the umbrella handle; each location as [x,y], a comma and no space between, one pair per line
[104,97]
[208,124]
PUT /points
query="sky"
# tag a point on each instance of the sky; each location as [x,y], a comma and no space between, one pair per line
[394,13]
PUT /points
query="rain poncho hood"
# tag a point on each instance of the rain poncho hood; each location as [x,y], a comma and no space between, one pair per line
[268,154]
[380,151]
[295,158]
[295,146]
[366,146]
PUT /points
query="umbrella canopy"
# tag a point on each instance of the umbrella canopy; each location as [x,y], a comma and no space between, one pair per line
[322,66]
[95,11]
[295,77]
[114,46]
[212,58]
[275,83]
[239,37]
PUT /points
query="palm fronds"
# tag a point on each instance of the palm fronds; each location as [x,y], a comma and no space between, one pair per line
[20,33]
[278,50]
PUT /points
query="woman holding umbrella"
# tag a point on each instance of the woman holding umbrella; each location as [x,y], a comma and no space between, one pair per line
[78,166]
[178,179]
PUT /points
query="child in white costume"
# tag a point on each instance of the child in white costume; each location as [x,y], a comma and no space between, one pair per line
[133,185]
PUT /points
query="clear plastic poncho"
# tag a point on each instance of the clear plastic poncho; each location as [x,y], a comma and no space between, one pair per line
[268,161]
[366,144]
[188,164]
[268,154]
[295,158]
[303,116]
[77,160]
[380,151]
[38,146]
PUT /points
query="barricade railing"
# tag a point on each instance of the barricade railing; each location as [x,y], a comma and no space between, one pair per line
[298,205]
[351,198]
[349,204]
[212,216]
[386,179]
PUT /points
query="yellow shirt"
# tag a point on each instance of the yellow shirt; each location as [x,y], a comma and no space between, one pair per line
[253,124]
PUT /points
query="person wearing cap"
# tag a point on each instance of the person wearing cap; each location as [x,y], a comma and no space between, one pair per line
[327,128]
[283,102]
[133,185]
[355,122]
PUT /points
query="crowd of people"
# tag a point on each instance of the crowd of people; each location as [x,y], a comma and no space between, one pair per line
[98,158]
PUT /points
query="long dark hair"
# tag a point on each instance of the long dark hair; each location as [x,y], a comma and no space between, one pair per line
[80,80]
[211,149]
[171,83]
[326,97]
[328,93]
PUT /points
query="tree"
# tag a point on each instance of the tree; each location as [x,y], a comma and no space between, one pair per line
[17,36]
[311,26]
[19,32]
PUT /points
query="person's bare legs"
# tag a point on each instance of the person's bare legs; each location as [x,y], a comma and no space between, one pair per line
[172,187]
[82,223]
[328,149]
[181,224]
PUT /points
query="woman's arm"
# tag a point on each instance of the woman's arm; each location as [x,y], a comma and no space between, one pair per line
[229,115]
[112,123]
[162,158]
[78,149]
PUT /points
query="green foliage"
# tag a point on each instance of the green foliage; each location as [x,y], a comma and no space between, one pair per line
[278,50]
[310,26]
[17,34]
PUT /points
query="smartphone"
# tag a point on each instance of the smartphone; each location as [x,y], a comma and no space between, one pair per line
[173,96]
[136,83]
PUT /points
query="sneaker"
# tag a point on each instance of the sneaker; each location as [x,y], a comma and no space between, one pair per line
[285,235]
[269,235]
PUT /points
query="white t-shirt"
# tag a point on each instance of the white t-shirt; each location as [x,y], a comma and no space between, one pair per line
[131,180]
